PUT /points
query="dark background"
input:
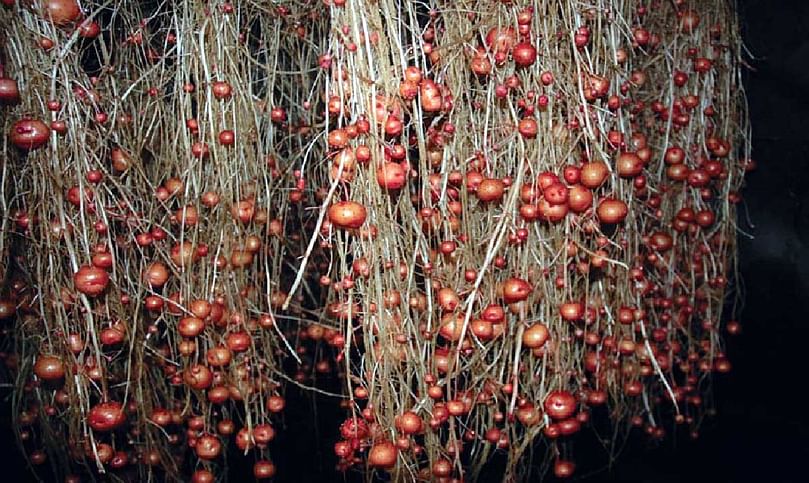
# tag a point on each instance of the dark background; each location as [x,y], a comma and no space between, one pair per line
[762,430]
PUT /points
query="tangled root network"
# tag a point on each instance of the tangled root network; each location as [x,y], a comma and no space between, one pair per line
[481,226]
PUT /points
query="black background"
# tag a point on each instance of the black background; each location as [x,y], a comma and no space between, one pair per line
[762,430]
